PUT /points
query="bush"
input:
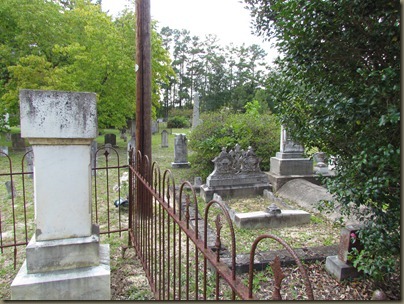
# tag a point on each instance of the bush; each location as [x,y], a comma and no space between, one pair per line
[178,122]
[260,131]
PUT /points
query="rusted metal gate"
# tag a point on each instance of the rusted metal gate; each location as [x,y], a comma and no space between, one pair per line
[171,239]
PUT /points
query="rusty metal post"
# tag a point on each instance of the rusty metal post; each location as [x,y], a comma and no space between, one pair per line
[143,92]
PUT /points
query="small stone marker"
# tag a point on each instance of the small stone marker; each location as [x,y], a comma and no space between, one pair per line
[29,158]
[3,149]
[339,265]
[10,189]
[164,139]
[17,142]
[110,139]
[154,127]
[180,152]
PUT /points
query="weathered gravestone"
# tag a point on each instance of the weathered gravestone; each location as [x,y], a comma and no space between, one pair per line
[11,192]
[339,266]
[154,127]
[29,158]
[4,150]
[164,139]
[110,139]
[180,152]
[237,173]
[64,258]
[18,143]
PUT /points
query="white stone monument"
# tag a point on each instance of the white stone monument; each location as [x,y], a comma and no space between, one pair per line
[289,163]
[195,115]
[64,259]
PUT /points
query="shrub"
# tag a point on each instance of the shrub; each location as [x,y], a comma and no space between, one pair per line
[222,129]
[178,122]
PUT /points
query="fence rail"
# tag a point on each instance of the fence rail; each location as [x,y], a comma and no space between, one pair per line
[181,260]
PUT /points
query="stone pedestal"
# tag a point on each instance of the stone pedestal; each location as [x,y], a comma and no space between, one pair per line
[64,259]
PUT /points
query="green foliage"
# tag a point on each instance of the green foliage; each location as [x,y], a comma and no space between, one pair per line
[223,129]
[178,122]
[76,47]
[337,89]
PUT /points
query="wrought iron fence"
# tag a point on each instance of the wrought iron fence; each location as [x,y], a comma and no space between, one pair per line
[182,260]
[17,199]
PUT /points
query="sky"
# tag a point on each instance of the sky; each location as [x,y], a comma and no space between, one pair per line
[227,19]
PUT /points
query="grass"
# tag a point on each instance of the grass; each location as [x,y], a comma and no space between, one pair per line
[318,232]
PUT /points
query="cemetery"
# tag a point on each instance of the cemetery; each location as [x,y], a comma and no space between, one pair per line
[238,164]
[140,162]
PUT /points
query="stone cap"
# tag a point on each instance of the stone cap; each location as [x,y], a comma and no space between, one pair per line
[58,114]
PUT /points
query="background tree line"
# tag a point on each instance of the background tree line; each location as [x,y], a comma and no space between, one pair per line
[223,76]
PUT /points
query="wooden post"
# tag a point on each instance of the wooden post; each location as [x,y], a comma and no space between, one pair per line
[143,101]
[143,78]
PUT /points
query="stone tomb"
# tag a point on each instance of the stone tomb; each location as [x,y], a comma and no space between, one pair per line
[64,258]
[236,174]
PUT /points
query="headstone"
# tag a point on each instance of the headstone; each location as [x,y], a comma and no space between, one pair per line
[64,258]
[180,152]
[123,135]
[164,139]
[195,116]
[289,161]
[11,192]
[154,127]
[18,143]
[29,158]
[197,183]
[110,139]
[3,149]
[236,173]
[94,160]
[339,266]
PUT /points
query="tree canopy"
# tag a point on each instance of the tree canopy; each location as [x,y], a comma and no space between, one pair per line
[337,89]
[74,46]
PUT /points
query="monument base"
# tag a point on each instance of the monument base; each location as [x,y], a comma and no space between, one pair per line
[233,191]
[291,166]
[87,283]
[277,181]
[180,165]
[339,269]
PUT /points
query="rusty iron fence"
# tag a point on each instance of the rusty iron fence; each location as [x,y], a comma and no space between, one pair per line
[179,242]
[181,259]
[17,206]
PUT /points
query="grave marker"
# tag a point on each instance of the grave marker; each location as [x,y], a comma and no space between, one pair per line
[180,152]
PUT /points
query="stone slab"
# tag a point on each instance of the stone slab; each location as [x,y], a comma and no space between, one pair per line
[62,254]
[90,283]
[180,165]
[261,219]
[233,180]
[295,166]
[339,269]
[57,114]
[277,181]
[233,191]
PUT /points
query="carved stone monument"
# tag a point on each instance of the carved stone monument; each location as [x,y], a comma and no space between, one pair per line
[64,259]
[237,173]
[180,152]
[289,163]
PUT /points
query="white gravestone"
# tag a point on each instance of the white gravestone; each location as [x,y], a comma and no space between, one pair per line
[195,117]
[61,126]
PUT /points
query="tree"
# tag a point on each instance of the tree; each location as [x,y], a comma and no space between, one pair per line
[337,89]
[74,46]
